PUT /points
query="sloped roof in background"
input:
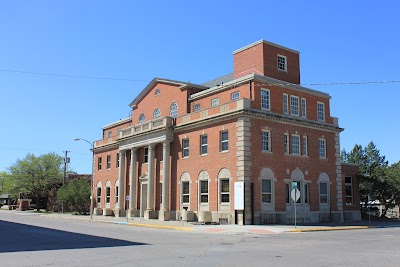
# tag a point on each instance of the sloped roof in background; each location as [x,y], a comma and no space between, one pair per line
[218,81]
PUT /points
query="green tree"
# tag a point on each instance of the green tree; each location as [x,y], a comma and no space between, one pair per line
[76,193]
[7,184]
[378,179]
[37,175]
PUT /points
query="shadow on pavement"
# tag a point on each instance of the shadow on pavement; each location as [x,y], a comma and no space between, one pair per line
[16,237]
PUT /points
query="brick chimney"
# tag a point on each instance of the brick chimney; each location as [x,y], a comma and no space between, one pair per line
[267,59]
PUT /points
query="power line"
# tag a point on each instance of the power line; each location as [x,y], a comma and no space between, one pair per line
[140,80]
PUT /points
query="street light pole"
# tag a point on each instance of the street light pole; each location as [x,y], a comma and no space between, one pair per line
[92,178]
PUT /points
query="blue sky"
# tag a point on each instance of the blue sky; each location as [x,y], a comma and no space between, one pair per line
[131,42]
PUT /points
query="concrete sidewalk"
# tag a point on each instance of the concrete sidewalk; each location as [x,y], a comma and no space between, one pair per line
[219,229]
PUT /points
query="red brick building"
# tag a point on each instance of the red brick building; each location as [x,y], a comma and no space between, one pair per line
[231,149]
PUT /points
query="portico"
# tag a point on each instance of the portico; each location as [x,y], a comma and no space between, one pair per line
[141,172]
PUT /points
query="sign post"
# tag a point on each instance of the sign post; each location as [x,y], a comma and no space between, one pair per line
[295,194]
[127,198]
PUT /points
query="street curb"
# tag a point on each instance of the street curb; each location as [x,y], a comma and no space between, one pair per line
[179,228]
[331,229]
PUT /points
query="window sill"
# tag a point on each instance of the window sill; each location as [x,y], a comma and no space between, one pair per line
[349,204]
[185,157]
[225,151]
[266,151]
[323,158]
[203,155]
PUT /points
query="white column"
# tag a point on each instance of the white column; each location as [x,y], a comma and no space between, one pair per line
[121,180]
[132,181]
[165,183]
[150,181]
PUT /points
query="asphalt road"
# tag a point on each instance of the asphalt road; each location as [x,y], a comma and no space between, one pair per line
[33,240]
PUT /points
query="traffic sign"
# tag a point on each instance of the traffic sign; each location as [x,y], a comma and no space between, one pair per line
[295,194]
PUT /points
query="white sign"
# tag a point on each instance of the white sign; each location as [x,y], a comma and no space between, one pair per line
[127,197]
[239,196]
[295,194]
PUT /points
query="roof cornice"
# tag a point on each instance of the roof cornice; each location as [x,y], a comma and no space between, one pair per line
[265,42]
[116,123]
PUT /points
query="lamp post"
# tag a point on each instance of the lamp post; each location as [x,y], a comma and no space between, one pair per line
[92,178]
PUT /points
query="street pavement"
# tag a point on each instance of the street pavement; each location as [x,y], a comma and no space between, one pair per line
[217,229]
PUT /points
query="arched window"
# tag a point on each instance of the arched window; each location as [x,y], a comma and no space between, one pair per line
[157,91]
[108,194]
[156,113]
[173,110]
[141,118]
[224,186]
[116,192]
[323,186]
[267,186]
[203,183]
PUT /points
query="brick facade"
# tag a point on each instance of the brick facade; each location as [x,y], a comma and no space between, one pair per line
[212,144]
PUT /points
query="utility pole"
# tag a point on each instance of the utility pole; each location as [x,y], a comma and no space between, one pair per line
[66,161]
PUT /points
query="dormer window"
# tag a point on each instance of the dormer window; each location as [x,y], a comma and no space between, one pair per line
[142,118]
[282,65]
[157,92]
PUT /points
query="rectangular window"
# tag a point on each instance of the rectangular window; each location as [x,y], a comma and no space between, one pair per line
[323,193]
[117,160]
[303,108]
[235,96]
[266,191]
[204,191]
[306,193]
[320,111]
[348,189]
[99,163]
[322,148]
[224,141]
[294,105]
[98,196]
[295,144]
[146,155]
[285,104]
[108,161]
[287,191]
[108,195]
[214,102]
[286,142]
[224,190]
[265,101]
[196,108]
[266,140]
[116,194]
[305,148]
[185,148]
[204,145]
[282,63]
[109,134]
[185,192]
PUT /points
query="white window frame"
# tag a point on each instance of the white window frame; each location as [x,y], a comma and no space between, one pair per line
[265,99]
[321,195]
[185,149]
[282,63]
[266,140]
[322,147]
[346,184]
[294,105]
[196,107]
[266,193]
[98,196]
[235,96]
[142,118]
[173,110]
[157,92]
[116,193]
[224,141]
[99,163]
[109,134]
[185,194]
[286,143]
[214,102]
[303,107]
[205,145]
[221,193]
[156,113]
[320,111]
[305,146]
[285,104]
[296,144]
[108,162]
[108,195]
[201,193]
[117,160]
